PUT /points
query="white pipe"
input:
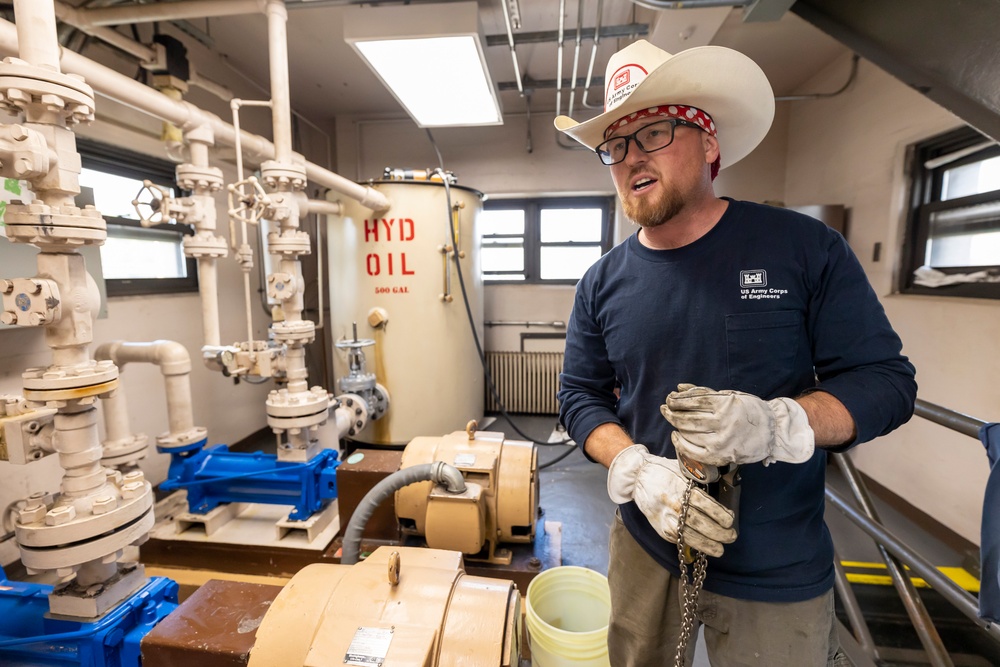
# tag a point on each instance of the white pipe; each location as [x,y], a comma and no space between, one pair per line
[208,286]
[168,11]
[175,365]
[71,15]
[281,106]
[185,115]
[36,33]
[323,207]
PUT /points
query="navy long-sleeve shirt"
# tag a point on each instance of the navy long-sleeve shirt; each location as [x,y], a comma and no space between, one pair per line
[768,302]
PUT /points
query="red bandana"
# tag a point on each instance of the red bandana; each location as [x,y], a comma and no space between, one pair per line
[681,111]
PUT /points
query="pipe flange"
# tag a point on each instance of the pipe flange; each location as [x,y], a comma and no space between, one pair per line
[76,377]
[205,244]
[192,177]
[44,225]
[282,403]
[70,555]
[379,402]
[167,442]
[294,332]
[357,410]
[289,242]
[24,87]
[276,174]
[124,450]
[67,522]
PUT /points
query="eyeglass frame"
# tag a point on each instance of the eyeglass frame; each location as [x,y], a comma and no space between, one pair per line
[673,122]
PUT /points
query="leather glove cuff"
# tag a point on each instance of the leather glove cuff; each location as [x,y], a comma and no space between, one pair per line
[623,471]
[794,441]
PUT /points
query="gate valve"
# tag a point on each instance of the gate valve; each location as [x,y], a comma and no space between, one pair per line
[247,201]
[159,205]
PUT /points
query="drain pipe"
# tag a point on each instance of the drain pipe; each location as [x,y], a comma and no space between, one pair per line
[438,472]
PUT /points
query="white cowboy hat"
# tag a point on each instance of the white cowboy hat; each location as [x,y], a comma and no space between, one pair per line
[724,83]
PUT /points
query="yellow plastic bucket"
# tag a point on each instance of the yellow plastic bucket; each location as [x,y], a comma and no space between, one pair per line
[567,611]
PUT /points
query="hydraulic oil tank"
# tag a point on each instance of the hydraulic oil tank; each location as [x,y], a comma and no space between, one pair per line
[395,274]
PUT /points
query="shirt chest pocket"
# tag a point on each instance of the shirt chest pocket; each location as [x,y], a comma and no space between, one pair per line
[762,350]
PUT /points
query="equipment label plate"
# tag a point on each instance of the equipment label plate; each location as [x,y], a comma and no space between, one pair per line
[465,460]
[369,646]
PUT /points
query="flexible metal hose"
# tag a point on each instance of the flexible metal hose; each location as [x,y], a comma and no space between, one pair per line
[438,472]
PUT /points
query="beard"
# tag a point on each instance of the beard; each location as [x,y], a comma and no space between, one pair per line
[652,212]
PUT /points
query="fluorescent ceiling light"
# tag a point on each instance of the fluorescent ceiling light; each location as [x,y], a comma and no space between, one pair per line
[430,57]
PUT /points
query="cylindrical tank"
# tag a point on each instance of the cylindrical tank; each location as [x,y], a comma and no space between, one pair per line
[394,275]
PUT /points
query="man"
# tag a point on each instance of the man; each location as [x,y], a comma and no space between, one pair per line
[761,325]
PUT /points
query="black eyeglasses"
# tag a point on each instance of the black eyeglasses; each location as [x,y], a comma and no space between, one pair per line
[653,137]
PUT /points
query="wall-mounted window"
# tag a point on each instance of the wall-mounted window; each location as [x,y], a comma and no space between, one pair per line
[136,259]
[953,237]
[544,240]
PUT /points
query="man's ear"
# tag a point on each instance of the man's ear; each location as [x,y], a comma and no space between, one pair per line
[711,146]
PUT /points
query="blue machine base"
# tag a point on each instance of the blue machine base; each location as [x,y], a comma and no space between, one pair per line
[215,475]
[29,636]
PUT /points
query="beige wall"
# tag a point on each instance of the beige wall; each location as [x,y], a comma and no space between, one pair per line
[850,150]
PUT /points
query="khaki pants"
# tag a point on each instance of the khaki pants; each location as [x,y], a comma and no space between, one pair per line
[646,619]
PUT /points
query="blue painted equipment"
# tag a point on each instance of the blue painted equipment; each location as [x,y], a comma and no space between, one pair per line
[29,637]
[215,475]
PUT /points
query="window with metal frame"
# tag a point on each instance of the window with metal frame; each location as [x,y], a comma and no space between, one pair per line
[544,240]
[136,260]
[952,244]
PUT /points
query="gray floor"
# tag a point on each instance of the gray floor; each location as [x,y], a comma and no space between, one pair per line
[573,492]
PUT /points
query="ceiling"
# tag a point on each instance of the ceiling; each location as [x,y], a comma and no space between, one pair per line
[328,78]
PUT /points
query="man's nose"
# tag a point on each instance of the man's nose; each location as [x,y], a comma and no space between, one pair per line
[634,154]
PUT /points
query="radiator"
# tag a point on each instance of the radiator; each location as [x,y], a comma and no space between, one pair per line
[526,381]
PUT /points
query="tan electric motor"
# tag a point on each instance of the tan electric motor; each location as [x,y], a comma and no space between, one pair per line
[402,606]
[500,502]
[396,275]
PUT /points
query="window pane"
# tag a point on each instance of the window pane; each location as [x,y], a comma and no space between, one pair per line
[507,276]
[971,179]
[503,259]
[502,221]
[562,263]
[964,250]
[559,225]
[142,253]
[113,195]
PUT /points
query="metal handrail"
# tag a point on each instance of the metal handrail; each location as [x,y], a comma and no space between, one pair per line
[895,552]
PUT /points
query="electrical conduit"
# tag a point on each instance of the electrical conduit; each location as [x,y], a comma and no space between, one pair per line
[438,472]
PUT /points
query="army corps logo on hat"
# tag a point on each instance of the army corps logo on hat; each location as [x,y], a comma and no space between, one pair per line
[722,82]
[622,83]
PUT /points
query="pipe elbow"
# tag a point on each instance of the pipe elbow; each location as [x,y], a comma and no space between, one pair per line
[448,475]
[109,352]
[171,357]
[375,200]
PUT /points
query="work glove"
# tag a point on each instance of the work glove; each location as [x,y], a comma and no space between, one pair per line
[657,486]
[722,427]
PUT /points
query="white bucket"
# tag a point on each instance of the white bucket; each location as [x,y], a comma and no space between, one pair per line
[567,611]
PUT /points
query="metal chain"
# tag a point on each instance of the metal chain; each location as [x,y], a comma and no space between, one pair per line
[689,589]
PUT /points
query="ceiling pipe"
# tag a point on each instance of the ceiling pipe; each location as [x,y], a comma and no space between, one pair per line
[168,11]
[187,116]
[690,4]
[71,15]
[593,58]
[510,42]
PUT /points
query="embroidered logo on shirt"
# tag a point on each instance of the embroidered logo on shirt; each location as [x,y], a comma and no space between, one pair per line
[753,286]
[753,278]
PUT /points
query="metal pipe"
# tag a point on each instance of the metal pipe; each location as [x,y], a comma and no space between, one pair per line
[559,55]
[593,57]
[921,620]
[576,57]
[956,421]
[185,115]
[690,4]
[510,42]
[167,11]
[323,207]
[859,626]
[36,33]
[438,472]
[948,589]
[70,15]
[281,106]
